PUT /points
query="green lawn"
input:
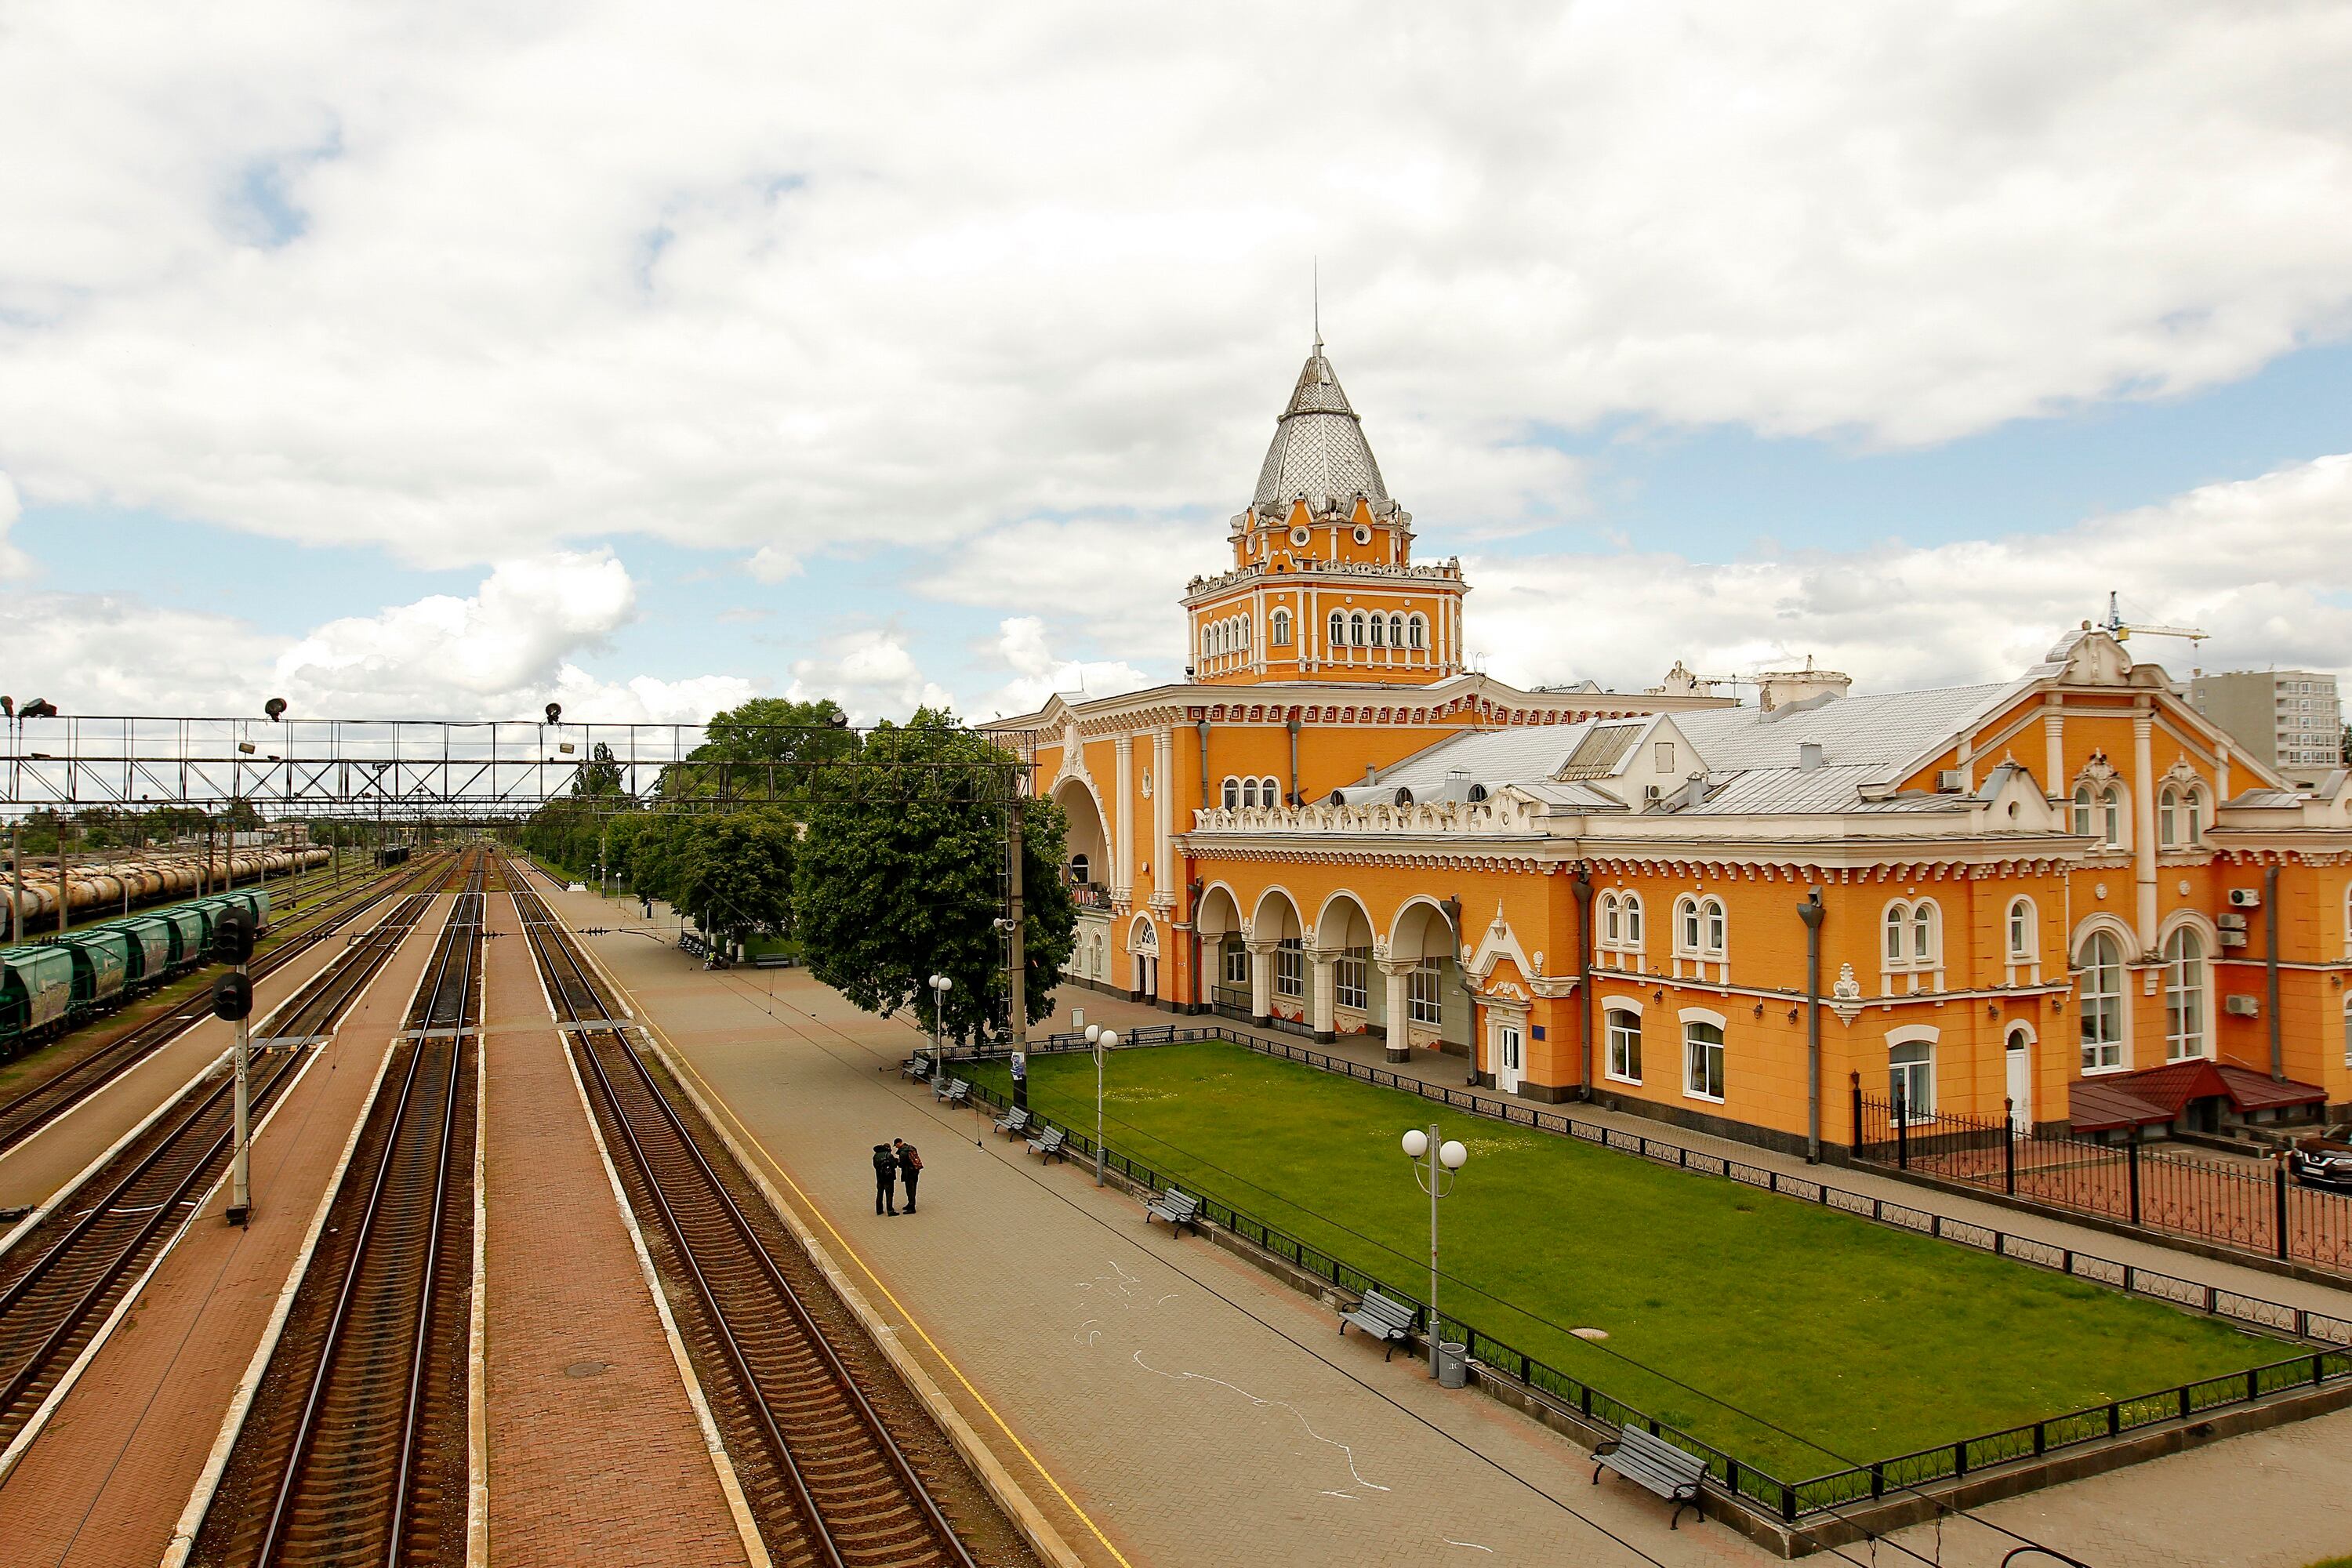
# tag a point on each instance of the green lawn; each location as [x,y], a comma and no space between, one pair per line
[1860,1341]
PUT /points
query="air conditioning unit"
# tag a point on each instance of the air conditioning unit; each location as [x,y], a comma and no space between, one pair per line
[2229,921]
[2245,899]
[1951,781]
[2242,1006]
[1650,795]
[2232,938]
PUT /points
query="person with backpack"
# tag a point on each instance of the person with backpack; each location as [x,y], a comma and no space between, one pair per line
[910,1168]
[885,1178]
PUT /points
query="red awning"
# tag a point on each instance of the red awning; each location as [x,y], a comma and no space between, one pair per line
[2153,1096]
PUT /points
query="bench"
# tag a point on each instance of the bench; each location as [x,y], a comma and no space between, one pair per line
[952,1092]
[1653,1463]
[1387,1321]
[916,1069]
[1015,1121]
[1049,1144]
[1178,1209]
[774,961]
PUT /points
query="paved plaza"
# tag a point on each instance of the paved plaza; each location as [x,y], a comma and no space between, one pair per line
[1112,1357]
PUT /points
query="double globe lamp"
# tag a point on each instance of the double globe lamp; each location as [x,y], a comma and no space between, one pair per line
[1433,1165]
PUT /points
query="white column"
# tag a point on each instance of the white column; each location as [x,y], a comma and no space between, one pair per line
[2221,779]
[1398,973]
[1262,979]
[1323,986]
[2144,825]
[1122,871]
[2053,752]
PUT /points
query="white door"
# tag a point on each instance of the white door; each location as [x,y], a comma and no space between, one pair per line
[2020,1084]
[1506,1057]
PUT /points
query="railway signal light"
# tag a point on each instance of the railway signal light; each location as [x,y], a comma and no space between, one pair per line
[233,997]
[231,940]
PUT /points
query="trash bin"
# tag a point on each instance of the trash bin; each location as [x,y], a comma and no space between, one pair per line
[1453,1365]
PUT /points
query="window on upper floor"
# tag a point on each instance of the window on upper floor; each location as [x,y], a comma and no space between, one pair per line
[1338,628]
[2179,816]
[1249,793]
[2024,931]
[2099,814]
[1912,936]
[1231,795]
[1078,870]
[1380,632]
[1699,927]
[1269,792]
[1356,630]
[1278,628]
[1418,630]
[1396,631]
[1609,923]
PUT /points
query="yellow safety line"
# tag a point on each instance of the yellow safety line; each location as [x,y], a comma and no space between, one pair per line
[945,1359]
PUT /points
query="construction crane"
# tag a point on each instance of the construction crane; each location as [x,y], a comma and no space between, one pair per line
[2121,630]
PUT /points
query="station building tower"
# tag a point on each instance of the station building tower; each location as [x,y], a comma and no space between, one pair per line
[1323,584]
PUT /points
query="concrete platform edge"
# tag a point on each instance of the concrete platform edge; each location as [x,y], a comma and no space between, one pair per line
[1026,1517]
[65,1193]
[200,1498]
[477,1393]
[730,1483]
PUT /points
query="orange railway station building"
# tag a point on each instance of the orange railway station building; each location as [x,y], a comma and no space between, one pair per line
[2064,897]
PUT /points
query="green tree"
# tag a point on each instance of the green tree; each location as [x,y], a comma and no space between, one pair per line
[900,877]
[768,748]
[734,873]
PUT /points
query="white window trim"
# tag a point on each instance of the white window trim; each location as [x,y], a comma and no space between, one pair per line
[2076,970]
[1608,1068]
[1688,1016]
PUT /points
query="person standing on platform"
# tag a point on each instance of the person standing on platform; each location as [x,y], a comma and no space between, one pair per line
[910,1168]
[885,1180]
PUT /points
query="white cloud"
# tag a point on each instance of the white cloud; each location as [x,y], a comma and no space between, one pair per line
[503,652]
[1037,675]
[769,564]
[1117,578]
[871,674]
[13,561]
[2257,563]
[471,287]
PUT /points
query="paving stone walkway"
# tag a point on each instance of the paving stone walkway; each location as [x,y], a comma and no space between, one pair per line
[1119,1358]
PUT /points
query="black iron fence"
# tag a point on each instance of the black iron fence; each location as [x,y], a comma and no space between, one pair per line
[1750,1484]
[2223,1200]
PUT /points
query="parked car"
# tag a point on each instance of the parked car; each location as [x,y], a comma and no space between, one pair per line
[2324,1159]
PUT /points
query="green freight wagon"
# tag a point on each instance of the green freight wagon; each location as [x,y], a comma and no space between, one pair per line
[190,932]
[151,946]
[101,960]
[35,989]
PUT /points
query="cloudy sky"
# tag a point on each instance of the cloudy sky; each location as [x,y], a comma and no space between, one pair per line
[437,359]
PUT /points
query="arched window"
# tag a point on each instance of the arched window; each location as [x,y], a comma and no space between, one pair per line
[1232,794]
[2167,818]
[1269,791]
[1911,1077]
[1703,1060]
[1079,868]
[1715,927]
[1356,630]
[1380,632]
[1896,912]
[1418,630]
[1631,905]
[1279,625]
[1624,1061]
[1338,629]
[1244,626]
[1686,926]
[1926,941]
[1249,793]
[2024,943]
[2111,815]
[2184,995]
[2193,808]
[2102,992]
[1609,928]
[2084,822]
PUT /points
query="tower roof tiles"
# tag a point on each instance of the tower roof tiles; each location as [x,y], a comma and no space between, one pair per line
[1318,449]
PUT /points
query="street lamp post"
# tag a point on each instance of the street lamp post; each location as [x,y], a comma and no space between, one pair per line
[940,986]
[1434,1176]
[1103,1041]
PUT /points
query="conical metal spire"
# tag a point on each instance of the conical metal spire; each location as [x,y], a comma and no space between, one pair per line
[1318,449]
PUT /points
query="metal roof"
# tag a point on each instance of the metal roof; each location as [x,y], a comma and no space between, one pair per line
[1805,790]
[1602,748]
[1880,730]
[1318,449]
[1522,754]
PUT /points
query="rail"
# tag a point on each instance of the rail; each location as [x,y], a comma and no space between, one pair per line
[834,1473]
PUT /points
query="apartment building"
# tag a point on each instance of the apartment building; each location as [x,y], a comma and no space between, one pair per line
[2286,719]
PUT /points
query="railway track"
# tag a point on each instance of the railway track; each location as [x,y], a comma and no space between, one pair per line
[831,1483]
[33,1109]
[355,1449]
[63,1278]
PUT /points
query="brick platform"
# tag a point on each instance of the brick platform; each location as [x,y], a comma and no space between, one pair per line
[105,1482]
[594,1453]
